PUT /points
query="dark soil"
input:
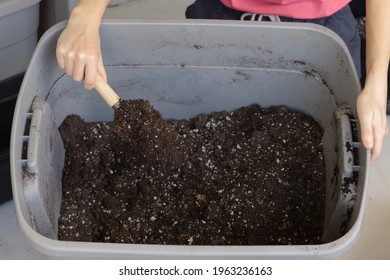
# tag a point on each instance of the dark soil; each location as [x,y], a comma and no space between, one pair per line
[252,176]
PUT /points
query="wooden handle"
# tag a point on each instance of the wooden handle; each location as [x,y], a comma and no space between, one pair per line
[108,94]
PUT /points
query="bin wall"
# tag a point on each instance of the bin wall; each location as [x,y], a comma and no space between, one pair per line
[186,68]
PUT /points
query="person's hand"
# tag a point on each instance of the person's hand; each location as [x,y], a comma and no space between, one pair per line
[371,109]
[78,47]
[372,101]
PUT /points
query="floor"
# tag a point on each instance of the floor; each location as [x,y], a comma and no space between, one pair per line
[374,241]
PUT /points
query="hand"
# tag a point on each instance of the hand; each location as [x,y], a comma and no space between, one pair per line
[371,109]
[78,47]
[372,101]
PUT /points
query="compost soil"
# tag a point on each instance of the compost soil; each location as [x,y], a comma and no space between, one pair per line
[251,176]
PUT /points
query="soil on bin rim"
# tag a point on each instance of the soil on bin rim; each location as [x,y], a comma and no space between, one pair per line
[253,176]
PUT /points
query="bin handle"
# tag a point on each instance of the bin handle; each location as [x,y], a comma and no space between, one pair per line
[34,135]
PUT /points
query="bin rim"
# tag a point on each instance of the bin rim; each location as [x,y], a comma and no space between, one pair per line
[56,248]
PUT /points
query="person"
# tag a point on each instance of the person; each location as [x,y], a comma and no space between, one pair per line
[78,47]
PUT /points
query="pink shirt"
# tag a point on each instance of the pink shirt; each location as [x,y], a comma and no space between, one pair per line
[303,9]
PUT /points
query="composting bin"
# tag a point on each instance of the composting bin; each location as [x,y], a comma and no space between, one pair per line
[185,68]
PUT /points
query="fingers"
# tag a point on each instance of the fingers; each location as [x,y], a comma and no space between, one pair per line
[101,68]
[371,110]
[80,61]
[373,130]
[376,149]
[380,129]
[90,72]
[81,66]
[367,131]
[92,68]
[66,58]
[60,54]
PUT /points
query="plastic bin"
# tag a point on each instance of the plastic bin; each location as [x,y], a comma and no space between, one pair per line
[185,68]
[18,32]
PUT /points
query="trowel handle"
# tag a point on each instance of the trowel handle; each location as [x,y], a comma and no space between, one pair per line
[108,94]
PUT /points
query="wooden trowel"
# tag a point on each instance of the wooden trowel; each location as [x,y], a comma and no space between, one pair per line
[108,94]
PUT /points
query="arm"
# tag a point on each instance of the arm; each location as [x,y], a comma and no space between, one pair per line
[371,103]
[78,47]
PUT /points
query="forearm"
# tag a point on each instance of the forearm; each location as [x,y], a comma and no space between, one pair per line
[95,6]
[378,40]
[94,9]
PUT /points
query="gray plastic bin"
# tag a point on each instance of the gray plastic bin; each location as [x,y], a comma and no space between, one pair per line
[185,68]
[18,32]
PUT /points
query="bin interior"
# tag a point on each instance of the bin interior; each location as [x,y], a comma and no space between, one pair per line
[185,69]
